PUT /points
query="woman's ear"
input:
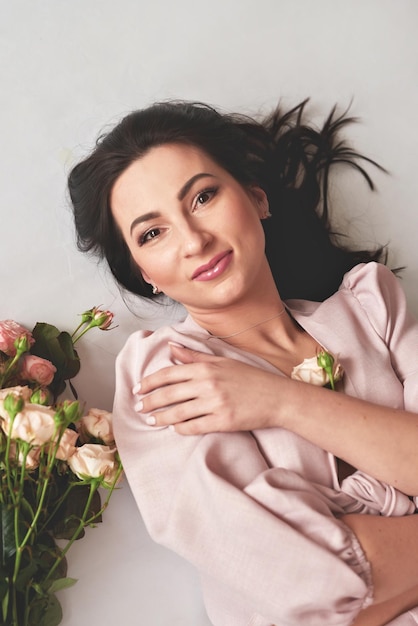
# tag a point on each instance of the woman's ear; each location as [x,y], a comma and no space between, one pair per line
[148,280]
[262,203]
[146,277]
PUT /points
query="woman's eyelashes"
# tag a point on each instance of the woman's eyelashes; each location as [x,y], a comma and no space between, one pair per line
[204,196]
[200,199]
[148,235]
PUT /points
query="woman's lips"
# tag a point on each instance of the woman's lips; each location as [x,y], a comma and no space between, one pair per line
[214,268]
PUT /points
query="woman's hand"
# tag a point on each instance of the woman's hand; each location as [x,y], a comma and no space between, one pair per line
[208,393]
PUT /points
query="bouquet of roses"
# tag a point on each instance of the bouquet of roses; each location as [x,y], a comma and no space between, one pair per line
[53,459]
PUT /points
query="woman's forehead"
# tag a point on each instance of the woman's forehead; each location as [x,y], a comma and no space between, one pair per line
[164,173]
[167,165]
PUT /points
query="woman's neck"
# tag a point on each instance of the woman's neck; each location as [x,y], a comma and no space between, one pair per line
[267,331]
[241,319]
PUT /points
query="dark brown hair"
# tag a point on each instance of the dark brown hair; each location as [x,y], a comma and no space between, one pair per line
[282,153]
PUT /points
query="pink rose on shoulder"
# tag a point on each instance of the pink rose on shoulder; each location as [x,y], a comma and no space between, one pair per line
[93,460]
[311,371]
[34,424]
[37,369]
[9,332]
[97,423]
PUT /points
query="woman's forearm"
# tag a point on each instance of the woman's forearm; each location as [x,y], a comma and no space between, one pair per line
[391,546]
[385,612]
[210,394]
[378,440]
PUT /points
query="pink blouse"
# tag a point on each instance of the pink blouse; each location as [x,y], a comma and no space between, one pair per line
[258,512]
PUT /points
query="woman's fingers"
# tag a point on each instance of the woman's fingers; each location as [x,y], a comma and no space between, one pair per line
[204,393]
[175,373]
[186,355]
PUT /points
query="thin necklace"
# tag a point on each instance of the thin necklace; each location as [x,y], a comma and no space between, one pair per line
[249,327]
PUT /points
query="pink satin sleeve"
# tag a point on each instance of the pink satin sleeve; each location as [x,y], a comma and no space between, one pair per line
[263,537]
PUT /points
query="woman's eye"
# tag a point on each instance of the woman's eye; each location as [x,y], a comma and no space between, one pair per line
[148,235]
[204,196]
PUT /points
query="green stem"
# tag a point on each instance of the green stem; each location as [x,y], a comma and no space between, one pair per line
[21,482]
[32,527]
[83,332]
[8,369]
[112,486]
[9,470]
[57,506]
[331,378]
[94,485]
[81,324]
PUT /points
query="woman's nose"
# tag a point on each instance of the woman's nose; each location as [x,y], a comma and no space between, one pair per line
[195,239]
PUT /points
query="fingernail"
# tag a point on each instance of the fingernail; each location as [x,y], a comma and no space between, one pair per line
[172,428]
[136,388]
[139,406]
[175,344]
[151,421]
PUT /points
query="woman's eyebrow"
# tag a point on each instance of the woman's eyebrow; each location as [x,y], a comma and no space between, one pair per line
[187,186]
[144,218]
[180,196]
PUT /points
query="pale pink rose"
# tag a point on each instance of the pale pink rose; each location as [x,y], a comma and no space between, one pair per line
[18,391]
[93,460]
[34,424]
[310,372]
[31,460]
[66,446]
[338,372]
[97,423]
[37,369]
[9,332]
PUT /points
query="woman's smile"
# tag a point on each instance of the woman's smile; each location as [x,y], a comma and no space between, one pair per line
[214,268]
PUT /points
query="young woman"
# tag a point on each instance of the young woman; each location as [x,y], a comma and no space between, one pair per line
[294,501]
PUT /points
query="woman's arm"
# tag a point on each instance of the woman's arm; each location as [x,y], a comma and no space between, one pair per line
[210,393]
[391,546]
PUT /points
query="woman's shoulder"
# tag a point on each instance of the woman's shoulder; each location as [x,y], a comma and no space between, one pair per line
[377,290]
[370,293]
[372,277]
[149,350]
[146,339]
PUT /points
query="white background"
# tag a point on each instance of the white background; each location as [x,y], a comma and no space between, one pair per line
[68,69]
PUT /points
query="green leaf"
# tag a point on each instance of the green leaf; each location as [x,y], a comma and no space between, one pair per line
[5,604]
[4,587]
[25,575]
[57,347]
[62,583]
[46,611]
[7,534]
[46,554]
[68,519]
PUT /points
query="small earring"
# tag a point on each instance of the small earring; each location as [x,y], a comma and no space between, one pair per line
[155,290]
[266,215]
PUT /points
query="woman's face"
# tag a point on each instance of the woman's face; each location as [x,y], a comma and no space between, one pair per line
[193,231]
